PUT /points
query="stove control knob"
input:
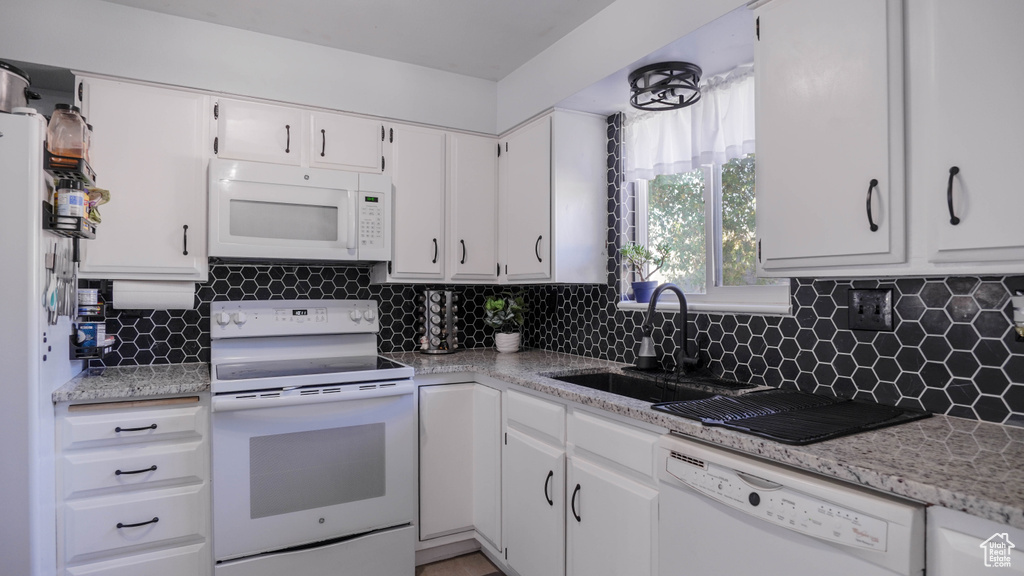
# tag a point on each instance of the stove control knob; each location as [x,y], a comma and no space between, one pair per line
[239,318]
[369,315]
[355,315]
[223,318]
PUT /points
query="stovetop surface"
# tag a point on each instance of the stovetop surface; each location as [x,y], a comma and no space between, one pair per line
[302,367]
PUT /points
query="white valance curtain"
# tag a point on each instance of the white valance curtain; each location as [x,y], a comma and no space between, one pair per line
[718,128]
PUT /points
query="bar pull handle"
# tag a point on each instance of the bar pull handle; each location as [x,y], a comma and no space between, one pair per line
[871,187]
[150,469]
[137,524]
[536,248]
[463,242]
[953,219]
[139,429]
[323,142]
[434,261]
[288,143]
[572,503]
[184,239]
[547,481]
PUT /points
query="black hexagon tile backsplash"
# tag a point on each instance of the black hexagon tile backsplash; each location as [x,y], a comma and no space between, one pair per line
[952,350]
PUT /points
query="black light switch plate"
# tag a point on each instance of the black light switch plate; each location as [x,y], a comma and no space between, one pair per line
[871,309]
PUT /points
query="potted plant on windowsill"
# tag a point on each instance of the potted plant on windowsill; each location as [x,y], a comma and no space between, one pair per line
[506,314]
[640,258]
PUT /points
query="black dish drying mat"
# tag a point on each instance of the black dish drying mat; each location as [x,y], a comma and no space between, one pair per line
[789,416]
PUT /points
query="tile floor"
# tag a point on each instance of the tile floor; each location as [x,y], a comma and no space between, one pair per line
[475,564]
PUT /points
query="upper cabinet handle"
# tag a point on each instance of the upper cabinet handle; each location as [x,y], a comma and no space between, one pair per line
[434,261]
[323,143]
[288,144]
[572,503]
[551,474]
[184,239]
[871,187]
[463,242]
[536,248]
[949,196]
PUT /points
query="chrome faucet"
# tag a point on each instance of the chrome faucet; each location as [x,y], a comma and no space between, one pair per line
[683,360]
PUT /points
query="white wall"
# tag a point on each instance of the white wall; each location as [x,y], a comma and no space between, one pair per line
[619,35]
[105,38]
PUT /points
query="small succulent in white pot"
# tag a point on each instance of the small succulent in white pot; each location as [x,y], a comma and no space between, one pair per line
[506,313]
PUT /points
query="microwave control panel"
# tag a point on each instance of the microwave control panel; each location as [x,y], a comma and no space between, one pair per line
[373,211]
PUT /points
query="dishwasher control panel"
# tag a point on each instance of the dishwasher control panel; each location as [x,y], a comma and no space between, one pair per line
[779,505]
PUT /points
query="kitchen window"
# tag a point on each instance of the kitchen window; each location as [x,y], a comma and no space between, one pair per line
[691,175]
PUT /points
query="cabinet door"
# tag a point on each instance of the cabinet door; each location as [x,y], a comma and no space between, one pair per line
[472,207]
[526,202]
[346,142]
[149,150]
[981,135]
[417,176]
[829,124]
[446,459]
[612,523]
[487,463]
[259,132]
[534,475]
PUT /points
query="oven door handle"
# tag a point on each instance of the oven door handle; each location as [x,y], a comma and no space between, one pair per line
[318,395]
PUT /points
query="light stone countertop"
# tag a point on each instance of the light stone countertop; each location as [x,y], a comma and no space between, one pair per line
[134,382]
[960,464]
[972,466]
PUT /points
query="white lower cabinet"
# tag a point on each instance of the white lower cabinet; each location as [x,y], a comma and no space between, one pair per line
[612,523]
[133,487]
[460,449]
[959,544]
[534,479]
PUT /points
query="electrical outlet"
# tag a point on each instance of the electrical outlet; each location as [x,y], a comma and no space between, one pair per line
[871,309]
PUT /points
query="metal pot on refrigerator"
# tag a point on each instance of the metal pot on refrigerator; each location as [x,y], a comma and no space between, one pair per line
[14,92]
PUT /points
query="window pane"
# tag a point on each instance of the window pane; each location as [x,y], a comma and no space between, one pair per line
[675,218]
[739,237]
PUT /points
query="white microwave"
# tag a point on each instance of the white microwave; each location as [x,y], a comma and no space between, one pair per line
[272,212]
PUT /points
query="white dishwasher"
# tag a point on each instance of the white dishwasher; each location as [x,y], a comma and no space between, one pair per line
[724,514]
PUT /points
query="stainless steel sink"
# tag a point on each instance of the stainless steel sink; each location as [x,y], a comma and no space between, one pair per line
[634,387]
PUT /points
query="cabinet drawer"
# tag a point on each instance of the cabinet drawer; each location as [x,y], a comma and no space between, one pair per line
[191,560]
[130,425]
[90,525]
[541,415]
[132,466]
[619,443]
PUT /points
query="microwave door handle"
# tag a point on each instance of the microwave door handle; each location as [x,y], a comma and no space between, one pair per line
[353,221]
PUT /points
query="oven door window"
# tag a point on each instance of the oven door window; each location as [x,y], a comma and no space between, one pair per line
[315,469]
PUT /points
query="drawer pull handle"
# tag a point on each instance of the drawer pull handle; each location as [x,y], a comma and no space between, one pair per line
[136,525]
[150,469]
[150,427]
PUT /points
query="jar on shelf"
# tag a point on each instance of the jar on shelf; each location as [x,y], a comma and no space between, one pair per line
[70,198]
[66,132]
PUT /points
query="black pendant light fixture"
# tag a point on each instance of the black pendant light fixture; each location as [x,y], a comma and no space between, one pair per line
[665,86]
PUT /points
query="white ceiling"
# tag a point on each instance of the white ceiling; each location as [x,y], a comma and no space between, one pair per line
[481,38]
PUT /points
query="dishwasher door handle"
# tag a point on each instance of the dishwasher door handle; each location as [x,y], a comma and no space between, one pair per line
[756,482]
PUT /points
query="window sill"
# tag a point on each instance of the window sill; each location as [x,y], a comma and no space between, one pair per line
[713,307]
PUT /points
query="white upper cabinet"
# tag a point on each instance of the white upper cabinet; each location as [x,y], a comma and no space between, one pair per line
[830,161]
[964,85]
[288,135]
[553,209]
[472,207]
[149,150]
[526,202]
[417,165]
[259,132]
[346,142]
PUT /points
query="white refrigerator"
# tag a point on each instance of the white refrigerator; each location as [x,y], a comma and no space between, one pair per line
[27,380]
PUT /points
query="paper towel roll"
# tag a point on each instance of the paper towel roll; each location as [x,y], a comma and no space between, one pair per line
[153,295]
